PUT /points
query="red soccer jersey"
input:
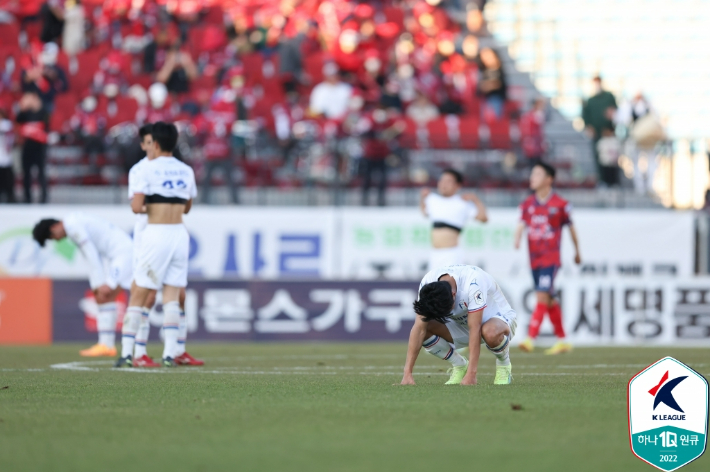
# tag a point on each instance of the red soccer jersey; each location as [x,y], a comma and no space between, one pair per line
[544,222]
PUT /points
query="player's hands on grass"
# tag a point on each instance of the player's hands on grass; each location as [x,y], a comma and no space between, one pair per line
[407,380]
[469,379]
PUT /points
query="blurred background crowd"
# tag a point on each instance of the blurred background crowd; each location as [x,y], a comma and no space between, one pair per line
[294,93]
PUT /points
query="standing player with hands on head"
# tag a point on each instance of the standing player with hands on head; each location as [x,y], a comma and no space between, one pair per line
[543,214]
[462,305]
[163,188]
[449,211]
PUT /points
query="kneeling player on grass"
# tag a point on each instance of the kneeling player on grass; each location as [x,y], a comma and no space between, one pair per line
[107,250]
[166,187]
[462,305]
[140,354]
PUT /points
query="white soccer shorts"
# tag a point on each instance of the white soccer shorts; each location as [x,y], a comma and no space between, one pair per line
[460,333]
[119,272]
[162,256]
[442,257]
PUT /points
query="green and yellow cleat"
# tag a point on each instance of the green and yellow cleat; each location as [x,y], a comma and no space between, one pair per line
[457,374]
[504,375]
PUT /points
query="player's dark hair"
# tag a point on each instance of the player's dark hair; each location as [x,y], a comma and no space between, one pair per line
[435,301]
[549,170]
[458,176]
[43,230]
[166,135]
[145,130]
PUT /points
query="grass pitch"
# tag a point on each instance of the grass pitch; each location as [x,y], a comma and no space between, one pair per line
[319,407]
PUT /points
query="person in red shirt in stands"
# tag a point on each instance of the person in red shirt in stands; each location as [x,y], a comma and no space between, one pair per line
[543,214]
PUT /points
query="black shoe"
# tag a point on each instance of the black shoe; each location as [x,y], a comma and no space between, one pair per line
[124,362]
[169,362]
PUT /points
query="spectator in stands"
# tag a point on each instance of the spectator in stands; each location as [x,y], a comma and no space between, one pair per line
[645,131]
[215,130]
[379,131]
[598,114]
[34,123]
[421,110]
[7,174]
[330,98]
[74,29]
[89,126]
[177,71]
[532,132]
[45,78]
[491,82]
[52,14]
[390,98]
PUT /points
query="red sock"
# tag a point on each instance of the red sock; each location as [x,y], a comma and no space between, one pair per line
[556,318]
[536,320]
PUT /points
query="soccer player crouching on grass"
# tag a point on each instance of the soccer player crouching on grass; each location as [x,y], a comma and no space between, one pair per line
[543,214]
[107,250]
[166,187]
[462,305]
[140,354]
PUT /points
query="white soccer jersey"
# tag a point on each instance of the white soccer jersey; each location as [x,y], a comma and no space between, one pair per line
[165,178]
[475,290]
[133,179]
[99,241]
[453,211]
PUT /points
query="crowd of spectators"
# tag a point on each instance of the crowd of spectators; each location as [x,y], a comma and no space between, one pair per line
[380,76]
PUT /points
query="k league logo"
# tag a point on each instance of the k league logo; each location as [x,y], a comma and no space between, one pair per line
[668,414]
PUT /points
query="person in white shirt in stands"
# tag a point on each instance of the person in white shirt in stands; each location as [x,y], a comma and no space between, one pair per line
[164,189]
[107,249]
[331,97]
[449,211]
[140,354]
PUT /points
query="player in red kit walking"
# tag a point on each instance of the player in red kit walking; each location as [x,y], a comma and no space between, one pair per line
[543,214]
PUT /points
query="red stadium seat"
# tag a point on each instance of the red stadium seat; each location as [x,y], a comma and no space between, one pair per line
[9,33]
[88,64]
[439,136]
[469,132]
[499,134]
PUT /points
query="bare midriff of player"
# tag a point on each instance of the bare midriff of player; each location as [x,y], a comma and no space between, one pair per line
[449,211]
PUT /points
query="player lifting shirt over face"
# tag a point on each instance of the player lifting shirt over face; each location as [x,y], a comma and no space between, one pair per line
[166,187]
[464,306]
[449,211]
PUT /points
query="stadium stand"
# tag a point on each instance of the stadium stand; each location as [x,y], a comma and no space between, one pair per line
[261,59]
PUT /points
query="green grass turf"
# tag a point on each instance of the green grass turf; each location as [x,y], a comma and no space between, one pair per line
[320,407]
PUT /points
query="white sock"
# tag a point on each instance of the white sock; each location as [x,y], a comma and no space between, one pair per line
[502,352]
[182,335]
[438,347]
[130,328]
[171,326]
[142,334]
[106,324]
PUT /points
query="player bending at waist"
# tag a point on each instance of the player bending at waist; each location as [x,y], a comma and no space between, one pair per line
[165,187]
[107,250]
[449,211]
[462,305]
